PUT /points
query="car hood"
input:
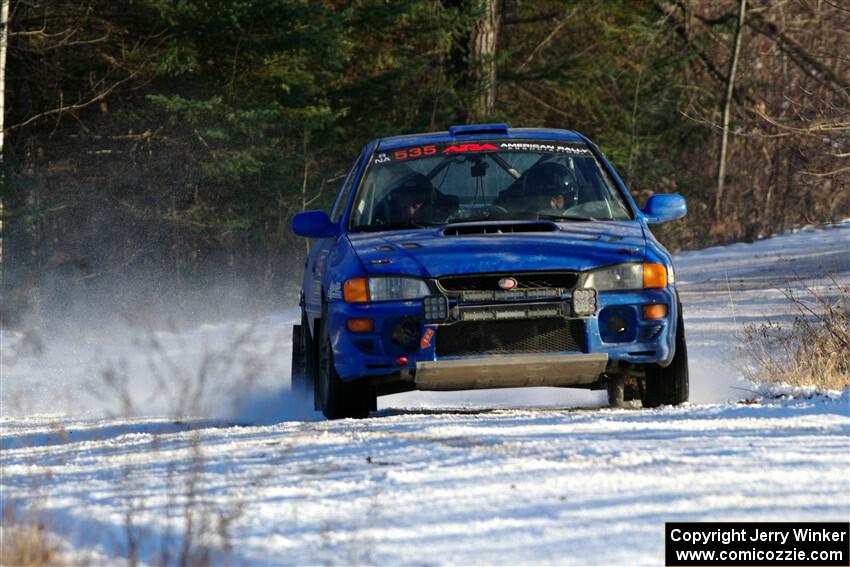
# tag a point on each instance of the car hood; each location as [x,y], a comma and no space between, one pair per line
[499,247]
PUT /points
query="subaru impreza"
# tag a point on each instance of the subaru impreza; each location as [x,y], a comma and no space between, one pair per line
[487,257]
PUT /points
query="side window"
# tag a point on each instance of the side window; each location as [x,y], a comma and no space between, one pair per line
[342,199]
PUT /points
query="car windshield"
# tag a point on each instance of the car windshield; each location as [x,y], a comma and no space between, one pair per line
[439,184]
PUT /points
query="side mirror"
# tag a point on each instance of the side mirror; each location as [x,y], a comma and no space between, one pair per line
[663,208]
[314,224]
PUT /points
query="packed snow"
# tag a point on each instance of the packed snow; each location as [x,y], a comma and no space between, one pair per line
[96,444]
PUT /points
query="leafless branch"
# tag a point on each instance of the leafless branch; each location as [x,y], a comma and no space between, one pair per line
[530,19]
[546,40]
[542,102]
[799,55]
[72,107]
[814,126]
[825,173]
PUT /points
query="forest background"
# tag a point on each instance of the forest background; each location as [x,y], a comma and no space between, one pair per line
[154,151]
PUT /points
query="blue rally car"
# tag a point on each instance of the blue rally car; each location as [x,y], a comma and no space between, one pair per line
[487,257]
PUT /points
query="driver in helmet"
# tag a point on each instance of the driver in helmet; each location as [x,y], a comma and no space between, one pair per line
[408,203]
[550,185]
[546,185]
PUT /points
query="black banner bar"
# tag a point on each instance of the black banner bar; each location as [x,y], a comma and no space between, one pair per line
[762,544]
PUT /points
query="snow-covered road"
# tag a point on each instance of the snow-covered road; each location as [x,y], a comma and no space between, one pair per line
[547,477]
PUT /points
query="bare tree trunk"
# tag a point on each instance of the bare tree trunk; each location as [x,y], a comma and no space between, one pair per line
[304,201]
[485,36]
[4,40]
[727,111]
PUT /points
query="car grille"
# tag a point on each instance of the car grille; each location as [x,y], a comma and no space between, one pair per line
[511,337]
[529,280]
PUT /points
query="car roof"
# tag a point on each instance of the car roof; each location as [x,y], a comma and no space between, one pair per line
[474,132]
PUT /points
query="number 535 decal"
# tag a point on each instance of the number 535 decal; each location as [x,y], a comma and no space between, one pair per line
[415,152]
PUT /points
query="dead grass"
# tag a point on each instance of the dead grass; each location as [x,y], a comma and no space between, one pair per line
[26,544]
[196,526]
[200,536]
[813,350]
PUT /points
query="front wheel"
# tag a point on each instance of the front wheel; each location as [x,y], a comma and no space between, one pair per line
[337,398]
[302,353]
[669,385]
[617,391]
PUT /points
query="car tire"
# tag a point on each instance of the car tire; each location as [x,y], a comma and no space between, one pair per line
[669,385]
[616,391]
[302,357]
[633,390]
[337,398]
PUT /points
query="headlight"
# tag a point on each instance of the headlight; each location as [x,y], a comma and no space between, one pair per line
[627,276]
[382,288]
[387,289]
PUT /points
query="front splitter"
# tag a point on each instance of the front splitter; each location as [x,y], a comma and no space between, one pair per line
[510,371]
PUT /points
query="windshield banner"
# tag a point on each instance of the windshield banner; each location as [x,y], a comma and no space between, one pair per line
[489,146]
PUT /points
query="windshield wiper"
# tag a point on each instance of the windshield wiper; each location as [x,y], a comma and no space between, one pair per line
[392,226]
[549,216]
[472,219]
[497,216]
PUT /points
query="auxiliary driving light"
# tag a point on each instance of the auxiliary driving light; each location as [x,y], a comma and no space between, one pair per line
[618,324]
[436,308]
[405,333]
[584,302]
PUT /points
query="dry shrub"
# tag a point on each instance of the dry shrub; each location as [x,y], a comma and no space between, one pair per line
[194,527]
[186,385]
[811,351]
[26,543]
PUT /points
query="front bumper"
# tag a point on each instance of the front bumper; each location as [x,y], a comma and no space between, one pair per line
[377,353]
